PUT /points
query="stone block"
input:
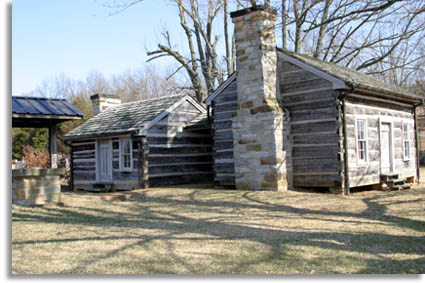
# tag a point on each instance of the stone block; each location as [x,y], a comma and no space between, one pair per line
[246,105]
[253,147]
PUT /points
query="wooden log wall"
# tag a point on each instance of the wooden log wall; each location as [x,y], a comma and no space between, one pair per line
[315,124]
[83,163]
[368,173]
[178,155]
[223,108]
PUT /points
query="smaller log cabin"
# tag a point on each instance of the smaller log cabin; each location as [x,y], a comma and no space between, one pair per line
[154,142]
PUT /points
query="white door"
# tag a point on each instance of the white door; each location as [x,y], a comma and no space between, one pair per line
[104,161]
[386,148]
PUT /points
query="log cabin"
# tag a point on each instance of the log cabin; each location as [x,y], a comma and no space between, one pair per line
[286,120]
[282,120]
[153,142]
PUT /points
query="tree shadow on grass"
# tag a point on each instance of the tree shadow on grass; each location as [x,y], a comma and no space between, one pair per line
[175,225]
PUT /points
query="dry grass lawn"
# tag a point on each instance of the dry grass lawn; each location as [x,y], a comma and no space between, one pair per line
[205,231]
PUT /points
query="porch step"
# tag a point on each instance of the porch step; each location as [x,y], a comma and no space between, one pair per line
[393,182]
[398,181]
[402,187]
[388,177]
[94,190]
[100,187]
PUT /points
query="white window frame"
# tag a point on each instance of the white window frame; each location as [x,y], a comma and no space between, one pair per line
[365,140]
[121,154]
[406,140]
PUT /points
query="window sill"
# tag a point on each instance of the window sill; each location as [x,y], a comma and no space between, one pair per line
[126,170]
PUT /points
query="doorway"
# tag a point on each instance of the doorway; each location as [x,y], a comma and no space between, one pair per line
[386,148]
[104,161]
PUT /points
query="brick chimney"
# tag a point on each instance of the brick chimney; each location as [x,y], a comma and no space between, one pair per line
[102,102]
[260,158]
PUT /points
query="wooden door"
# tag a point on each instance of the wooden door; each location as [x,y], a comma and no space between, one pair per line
[104,161]
[386,148]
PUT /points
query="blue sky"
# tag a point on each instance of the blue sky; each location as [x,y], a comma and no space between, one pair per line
[74,37]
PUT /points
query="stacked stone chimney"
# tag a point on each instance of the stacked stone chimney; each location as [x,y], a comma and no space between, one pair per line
[102,102]
[260,158]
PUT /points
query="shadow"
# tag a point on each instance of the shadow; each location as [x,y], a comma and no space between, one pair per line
[200,216]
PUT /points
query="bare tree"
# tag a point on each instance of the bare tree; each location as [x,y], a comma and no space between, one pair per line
[199,57]
[142,83]
[367,35]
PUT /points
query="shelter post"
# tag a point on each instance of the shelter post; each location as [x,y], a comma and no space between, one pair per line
[53,146]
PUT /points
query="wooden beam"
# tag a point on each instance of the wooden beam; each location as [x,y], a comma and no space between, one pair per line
[71,166]
[144,162]
[53,146]
[47,117]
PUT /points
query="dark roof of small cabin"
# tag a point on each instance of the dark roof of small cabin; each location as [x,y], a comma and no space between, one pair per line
[352,77]
[43,106]
[124,118]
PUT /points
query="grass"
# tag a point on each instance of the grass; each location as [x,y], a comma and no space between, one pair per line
[205,231]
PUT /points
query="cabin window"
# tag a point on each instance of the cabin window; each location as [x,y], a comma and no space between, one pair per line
[406,141]
[361,136]
[126,157]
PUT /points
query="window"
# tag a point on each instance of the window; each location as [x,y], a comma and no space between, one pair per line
[361,136]
[406,141]
[126,156]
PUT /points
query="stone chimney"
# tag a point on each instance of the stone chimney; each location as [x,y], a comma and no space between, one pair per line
[102,102]
[260,157]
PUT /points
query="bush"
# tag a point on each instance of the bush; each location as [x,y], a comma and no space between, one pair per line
[35,158]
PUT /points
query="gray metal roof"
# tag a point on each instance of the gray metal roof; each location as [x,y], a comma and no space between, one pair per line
[43,106]
[124,118]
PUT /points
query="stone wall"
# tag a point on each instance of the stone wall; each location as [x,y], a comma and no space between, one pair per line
[258,124]
[34,186]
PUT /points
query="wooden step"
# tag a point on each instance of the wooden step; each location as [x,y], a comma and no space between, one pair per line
[388,177]
[399,181]
[104,187]
[405,186]
[94,190]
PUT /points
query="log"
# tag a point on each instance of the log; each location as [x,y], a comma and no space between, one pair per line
[304,85]
[328,126]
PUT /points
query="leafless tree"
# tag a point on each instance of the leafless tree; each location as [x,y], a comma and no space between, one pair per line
[374,36]
[368,35]
[199,58]
[142,83]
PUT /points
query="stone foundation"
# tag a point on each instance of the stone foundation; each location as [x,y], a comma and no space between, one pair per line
[34,186]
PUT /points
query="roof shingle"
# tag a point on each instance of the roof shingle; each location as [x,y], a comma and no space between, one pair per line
[124,118]
[352,77]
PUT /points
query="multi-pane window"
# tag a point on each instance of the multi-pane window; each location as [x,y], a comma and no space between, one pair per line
[406,141]
[125,154]
[361,136]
